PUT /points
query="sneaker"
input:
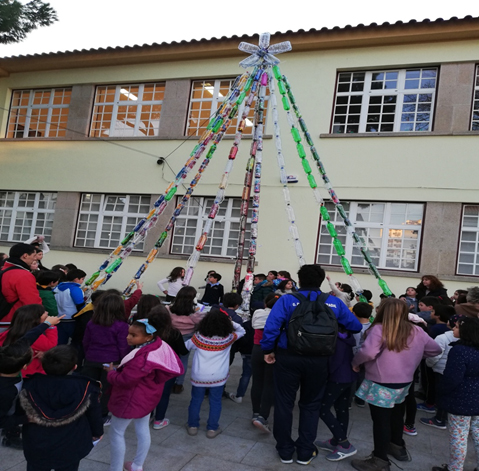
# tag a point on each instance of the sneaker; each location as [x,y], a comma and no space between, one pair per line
[371,463]
[234,398]
[340,453]
[192,430]
[399,452]
[426,408]
[262,424]
[443,467]
[255,416]
[159,424]
[359,402]
[433,423]
[410,430]
[107,421]
[326,445]
[306,462]
[128,466]
[213,433]
[12,442]
[286,460]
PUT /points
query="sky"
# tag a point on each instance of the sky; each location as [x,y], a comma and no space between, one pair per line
[85,24]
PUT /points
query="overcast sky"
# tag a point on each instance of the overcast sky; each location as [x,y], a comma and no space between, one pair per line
[85,24]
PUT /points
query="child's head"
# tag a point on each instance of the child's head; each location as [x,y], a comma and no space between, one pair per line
[14,357]
[76,275]
[345,288]
[270,300]
[311,276]
[284,274]
[411,292]
[48,278]
[216,323]
[232,300]
[63,272]
[458,293]
[362,310]
[285,284]
[109,309]
[214,278]
[96,296]
[184,303]
[70,267]
[177,272]
[367,294]
[209,273]
[442,313]
[428,303]
[160,319]
[140,332]
[24,318]
[59,360]
[468,331]
[146,303]
[257,279]
[272,275]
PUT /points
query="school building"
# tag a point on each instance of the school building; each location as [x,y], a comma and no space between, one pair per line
[89,140]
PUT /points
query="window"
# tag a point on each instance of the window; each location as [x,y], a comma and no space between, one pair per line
[223,238]
[385,101]
[206,98]
[468,260]
[475,107]
[104,220]
[24,215]
[39,113]
[391,231]
[127,110]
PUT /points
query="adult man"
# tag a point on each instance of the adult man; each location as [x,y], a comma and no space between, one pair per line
[292,370]
[18,284]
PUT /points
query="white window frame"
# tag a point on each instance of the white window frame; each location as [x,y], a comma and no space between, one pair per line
[475,103]
[399,92]
[11,202]
[213,103]
[133,131]
[468,237]
[98,226]
[351,251]
[27,112]
[204,205]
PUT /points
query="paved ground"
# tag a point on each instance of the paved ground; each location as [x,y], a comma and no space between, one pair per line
[241,447]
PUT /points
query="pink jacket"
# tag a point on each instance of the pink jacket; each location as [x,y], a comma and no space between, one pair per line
[187,324]
[137,384]
[384,366]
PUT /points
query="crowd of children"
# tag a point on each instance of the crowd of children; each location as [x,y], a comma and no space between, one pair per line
[68,369]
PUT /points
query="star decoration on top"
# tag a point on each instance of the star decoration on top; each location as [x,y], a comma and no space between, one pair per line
[263,53]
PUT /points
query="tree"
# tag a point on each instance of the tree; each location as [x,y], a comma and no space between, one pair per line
[17,20]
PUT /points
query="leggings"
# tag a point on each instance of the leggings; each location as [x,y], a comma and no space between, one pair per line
[411,407]
[337,395]
[459,426]
[262,389]
[117,442]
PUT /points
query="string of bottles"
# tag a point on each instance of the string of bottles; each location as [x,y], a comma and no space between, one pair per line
[289,101]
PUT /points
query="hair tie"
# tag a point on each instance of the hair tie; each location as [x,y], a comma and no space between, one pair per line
[224,312]
[149,328]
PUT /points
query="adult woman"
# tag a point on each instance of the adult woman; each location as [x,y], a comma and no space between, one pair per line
[431,286]
[391,353]
[185,316]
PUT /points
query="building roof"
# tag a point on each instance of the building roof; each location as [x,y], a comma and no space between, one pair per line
[411,32]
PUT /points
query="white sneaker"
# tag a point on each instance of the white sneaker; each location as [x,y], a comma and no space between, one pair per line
[238,400]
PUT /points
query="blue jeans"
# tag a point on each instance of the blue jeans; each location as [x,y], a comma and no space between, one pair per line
[164,401]
[197,396]
[65,331]
[245,376]
[184,361]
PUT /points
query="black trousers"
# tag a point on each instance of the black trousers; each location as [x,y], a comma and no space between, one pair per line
[388,425]
[441,414]
[262,389]
[411,406]
[34,467]
[337,395]
[309,375]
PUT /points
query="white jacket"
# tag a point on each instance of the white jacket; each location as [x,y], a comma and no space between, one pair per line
[438,363]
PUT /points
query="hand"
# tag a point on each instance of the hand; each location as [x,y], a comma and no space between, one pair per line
[38,355]
[356,369]
[96,438]
[327,277]
[54,320]
[166,292]
[40,238]
[270,358]
[109,368]
[139,285]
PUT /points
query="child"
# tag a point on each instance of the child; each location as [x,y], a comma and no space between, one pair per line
[261,289]
[344,292]
[411,300]
[214,291]
[212,344]
[105,342]
[14,358]
[441,315]
[46,281]
[207,279]
[175,283]
[137,386]
[438,364]
[460,390]
[69,298]
[337,393]
[426,305]
[63,410]
[26,318]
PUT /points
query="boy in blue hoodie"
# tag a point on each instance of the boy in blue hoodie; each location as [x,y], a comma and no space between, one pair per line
[70,300]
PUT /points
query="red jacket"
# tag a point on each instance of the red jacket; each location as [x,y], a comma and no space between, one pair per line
[18,286]
[138,383]
[45,342]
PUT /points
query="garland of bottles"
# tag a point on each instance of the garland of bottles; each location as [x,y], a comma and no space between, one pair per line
[289,101]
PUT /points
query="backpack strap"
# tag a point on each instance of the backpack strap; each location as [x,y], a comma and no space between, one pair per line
[323,297]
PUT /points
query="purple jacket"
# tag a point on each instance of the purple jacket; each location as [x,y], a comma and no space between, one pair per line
[104,344]
[340,370]
[137,384]
[385,366]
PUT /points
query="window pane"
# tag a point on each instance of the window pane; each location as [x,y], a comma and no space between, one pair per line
[468,256]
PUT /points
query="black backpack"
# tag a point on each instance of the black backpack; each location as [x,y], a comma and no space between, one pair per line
[5,306]
[313,327]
